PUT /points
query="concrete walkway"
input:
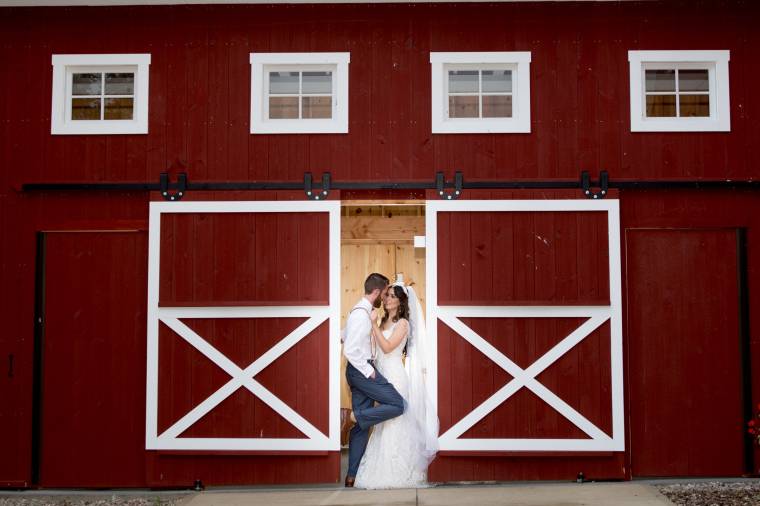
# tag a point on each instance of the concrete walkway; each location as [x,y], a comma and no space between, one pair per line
[618,494]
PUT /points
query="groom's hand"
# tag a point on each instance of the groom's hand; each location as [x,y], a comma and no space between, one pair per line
[373,375]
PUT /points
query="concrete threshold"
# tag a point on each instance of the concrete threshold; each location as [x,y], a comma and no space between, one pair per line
[590,494]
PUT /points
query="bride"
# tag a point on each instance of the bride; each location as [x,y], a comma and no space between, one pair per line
[400,450]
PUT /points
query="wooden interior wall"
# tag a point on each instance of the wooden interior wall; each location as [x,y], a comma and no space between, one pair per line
[378,238]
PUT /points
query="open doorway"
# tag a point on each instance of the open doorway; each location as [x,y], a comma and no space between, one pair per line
[378,236]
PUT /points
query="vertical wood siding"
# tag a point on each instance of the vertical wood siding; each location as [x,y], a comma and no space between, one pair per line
[199,113]
[686,385]
[228,259]
[681,317]
[21,219]
[93,360]
[200,90]
[524,258]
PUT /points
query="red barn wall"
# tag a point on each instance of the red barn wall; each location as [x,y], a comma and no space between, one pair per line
[200,82]
[199,116]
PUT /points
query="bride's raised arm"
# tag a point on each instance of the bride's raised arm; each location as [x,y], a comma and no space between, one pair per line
[390,344]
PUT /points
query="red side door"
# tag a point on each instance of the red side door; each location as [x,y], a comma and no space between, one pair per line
[92,403]
[684,352]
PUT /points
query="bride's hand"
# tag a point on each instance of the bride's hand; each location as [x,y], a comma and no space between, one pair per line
[373,316]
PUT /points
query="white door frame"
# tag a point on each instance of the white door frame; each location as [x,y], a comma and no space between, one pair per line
[597,315]
[243,378]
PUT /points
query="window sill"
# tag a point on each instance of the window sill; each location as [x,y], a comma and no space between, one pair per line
[477,127]
[310,127]
[111,127]
[680,125]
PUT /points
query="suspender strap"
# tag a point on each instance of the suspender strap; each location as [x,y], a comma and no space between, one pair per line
[373,344]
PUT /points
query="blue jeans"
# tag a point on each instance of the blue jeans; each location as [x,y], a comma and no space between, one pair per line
[364,393]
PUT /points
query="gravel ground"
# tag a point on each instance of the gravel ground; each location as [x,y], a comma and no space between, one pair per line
[91,500]
[713,493]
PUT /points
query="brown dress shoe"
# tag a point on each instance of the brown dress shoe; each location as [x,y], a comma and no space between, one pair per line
[350,481]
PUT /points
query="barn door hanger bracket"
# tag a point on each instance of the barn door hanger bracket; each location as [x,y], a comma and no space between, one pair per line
[311,192]
[604,181]
[181,186]
[440,183]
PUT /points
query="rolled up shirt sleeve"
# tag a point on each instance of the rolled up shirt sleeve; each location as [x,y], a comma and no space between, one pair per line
[356,347]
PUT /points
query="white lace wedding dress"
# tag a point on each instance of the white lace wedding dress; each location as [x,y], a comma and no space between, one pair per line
[390,460]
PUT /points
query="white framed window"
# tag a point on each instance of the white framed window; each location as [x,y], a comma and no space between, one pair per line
[480,92]
[679,91]
[100,94]
[299,93]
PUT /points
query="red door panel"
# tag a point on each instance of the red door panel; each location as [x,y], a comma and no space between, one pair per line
[93,366]
[684,353]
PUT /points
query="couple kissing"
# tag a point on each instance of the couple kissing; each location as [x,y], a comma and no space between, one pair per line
[386,372]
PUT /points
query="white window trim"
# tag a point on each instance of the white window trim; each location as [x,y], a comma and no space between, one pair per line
[517,61]
[64,65]
[716,62]
[260,62]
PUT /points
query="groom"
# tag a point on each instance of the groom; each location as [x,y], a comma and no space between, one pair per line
[367,385]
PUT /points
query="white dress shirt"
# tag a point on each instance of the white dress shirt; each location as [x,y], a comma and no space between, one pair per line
[357,347]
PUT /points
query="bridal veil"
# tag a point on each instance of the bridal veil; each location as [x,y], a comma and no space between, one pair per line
[420,402]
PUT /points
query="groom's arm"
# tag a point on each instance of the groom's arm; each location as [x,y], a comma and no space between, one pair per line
[357,328]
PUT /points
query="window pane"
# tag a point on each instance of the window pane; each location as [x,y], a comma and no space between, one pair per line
[660,106]
[694,105]
[120,84]
[497,106]
[118,108]
[283,107]
[86,84]
[463,81]
[463,107]
[661,80]
[496,81]
[85,108]
[317,107]
[693,80]
[317,82]
[283,82]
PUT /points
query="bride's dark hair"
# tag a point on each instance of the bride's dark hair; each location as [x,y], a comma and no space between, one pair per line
[403,307]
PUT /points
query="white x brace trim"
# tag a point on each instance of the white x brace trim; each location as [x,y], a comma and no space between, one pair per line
[597,315]
[241,377]
[521,377]
[315,440]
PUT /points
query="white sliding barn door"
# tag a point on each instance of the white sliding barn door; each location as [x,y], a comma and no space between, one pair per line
[257,280]
[524,317]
